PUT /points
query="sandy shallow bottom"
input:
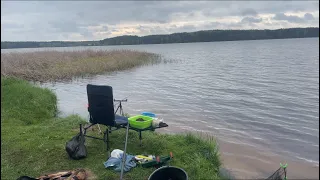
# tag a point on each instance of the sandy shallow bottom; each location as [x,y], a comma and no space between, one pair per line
[243,162]
[246,162]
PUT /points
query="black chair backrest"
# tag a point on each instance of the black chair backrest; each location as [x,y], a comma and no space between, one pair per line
[101,109]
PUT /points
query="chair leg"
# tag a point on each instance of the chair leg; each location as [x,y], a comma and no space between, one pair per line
[140,137]
[106,141]
[81,130]
[106,138]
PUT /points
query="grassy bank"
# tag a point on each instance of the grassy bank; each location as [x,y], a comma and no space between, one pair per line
[55,65]
[33,140]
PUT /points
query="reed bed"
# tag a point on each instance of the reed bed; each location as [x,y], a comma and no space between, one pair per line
[51,66]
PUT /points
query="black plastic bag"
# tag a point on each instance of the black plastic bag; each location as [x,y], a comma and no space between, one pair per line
[76,148]
[26,178]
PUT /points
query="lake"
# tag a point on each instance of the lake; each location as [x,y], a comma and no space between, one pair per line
[263,94]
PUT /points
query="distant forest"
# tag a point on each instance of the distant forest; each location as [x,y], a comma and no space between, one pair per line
[184,37]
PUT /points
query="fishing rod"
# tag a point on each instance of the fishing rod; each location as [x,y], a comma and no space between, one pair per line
[124,156]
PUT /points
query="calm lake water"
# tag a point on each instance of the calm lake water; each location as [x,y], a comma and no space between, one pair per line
[261,93]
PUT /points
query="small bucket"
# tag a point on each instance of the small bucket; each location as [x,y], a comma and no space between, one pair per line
[169,172]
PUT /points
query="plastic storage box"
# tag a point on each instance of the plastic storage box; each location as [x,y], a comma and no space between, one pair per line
[140,124]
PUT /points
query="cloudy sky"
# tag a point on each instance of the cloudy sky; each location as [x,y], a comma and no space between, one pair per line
[96,20]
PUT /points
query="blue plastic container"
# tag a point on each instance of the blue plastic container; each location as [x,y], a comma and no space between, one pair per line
[148,114]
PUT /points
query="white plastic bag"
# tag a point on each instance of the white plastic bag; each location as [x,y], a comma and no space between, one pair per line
[117,153]
[156,122]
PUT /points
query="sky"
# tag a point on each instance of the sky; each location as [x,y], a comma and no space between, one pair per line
[97,20]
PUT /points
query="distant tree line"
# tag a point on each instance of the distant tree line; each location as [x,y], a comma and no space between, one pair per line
[184,37]
[34,44]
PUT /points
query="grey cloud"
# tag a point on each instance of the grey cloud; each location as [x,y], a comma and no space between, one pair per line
[192,14]
[107,34]
[308,16]
[157,30]
[251,20]
[192,28]
[185,28]
[47,19]
[277,24]
[11,25]
[152,30]
[67,26]
[249,12]
[113,11]
[66,36]
[64,26]
[275,7]
[127,32]
[86,34]
[237,25]
[252,8]
[293,19]
[214,25]
[140,27]
[105,28]
[81,14]
[144,30]
[156,21]
[174,26]
[219,25]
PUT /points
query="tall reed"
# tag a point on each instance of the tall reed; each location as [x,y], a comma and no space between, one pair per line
[46,66]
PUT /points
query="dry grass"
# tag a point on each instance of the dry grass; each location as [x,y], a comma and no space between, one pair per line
[54,65]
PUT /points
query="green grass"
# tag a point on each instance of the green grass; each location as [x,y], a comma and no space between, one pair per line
[33,140]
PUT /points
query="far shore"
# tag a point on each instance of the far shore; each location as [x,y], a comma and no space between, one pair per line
[216,35]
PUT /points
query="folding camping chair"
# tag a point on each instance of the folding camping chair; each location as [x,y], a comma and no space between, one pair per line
[101,111]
